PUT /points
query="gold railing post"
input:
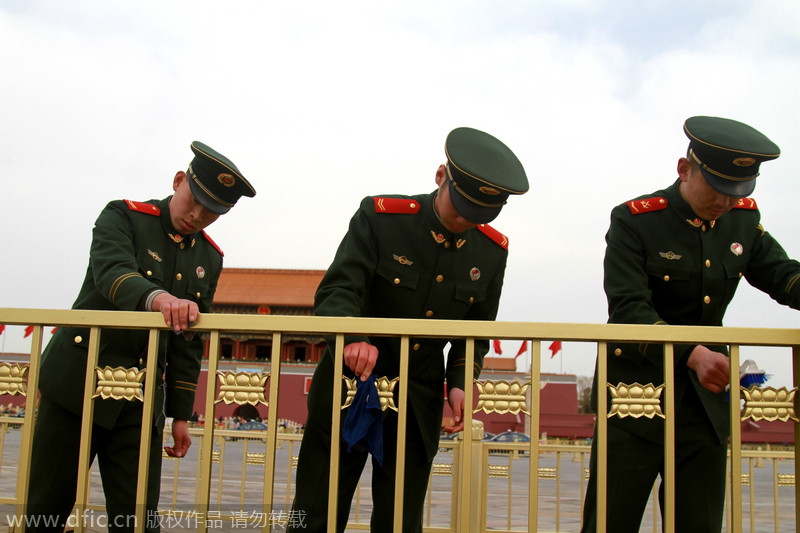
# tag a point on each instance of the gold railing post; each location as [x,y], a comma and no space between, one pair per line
[402,417]
[669,438]
[336,423]
[736,441]
[26,442]
[462,524]
[533,467]
[272,432]
[602,436]
[204,494]
[147,430]
[795,382]
[82,495]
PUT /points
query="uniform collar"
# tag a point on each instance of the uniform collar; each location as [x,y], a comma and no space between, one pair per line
[166,223]
[684,210]
[439,233]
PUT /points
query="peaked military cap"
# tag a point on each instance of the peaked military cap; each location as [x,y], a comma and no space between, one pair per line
[729,153]
[215,181]
[482,172]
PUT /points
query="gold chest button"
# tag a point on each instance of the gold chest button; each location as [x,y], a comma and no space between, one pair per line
[198,295]
[149,273]
[428,313]
[708,263]
[78,339]
[447,244]
[397,281]
[178,276]
[707,299]
[439,278]
[416,347]
[618,352]
[666,278]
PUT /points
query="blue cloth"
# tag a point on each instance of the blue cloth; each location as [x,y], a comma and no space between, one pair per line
[363,423]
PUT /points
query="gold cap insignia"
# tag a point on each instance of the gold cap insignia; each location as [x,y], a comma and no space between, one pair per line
[491,191]
[744,161]
[227,180]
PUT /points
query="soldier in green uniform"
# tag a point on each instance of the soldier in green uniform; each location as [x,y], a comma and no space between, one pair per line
[676,257]
[426,256]
[146,256]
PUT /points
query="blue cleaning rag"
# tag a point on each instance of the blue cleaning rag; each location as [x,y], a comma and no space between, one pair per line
[363,423]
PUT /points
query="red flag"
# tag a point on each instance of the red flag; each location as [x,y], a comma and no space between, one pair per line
[522,349]
[54,329]
[555,347]
[497,349]
[2,328]
[28,331]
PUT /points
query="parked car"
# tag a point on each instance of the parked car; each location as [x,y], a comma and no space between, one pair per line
[252,425]
[510,436]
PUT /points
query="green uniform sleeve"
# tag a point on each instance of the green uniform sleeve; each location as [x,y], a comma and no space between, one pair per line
[772,271]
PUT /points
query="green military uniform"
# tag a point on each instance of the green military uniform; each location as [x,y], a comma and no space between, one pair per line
[135,252]
[664,265]
[398,260]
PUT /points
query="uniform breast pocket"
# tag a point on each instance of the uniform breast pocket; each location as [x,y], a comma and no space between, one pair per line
[398,276]
[470,293]
[150,266]
[197,289]
[668,271]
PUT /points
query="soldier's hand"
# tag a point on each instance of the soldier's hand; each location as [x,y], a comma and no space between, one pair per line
[456,400]
[180,438]
[360,357]
[178,314]
[713,368]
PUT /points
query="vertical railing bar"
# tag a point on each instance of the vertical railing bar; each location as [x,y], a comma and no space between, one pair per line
[466,442]
[775,492]
[26,442]
[795,381]
[82,495]
[206,455]
[736,441]
[669,438]
[602,435]
[402,417]
[147,431]
[533,466]
[272,430]
[336,423]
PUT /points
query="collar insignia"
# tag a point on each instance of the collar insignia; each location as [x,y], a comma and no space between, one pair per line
[438,237]
[670,255]
[175,238]
[460,243]
[403,260]
[154,255]
[696,222]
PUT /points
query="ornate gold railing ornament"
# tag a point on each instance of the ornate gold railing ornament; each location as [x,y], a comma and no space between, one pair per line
[120,383]
[768,403]
[502,397]
[384,385]
[242,387]
[635,400]
[14,379]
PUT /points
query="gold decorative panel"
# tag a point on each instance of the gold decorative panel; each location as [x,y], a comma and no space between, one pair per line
[502,397]
[498,471]
[768,403]
[120,383]
[546,472]
[14,379]
[255,458]
[385,388]
[242,387]
[635,400]
[785,480]
[442,469]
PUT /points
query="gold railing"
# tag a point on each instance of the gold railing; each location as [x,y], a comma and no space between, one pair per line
[473,470]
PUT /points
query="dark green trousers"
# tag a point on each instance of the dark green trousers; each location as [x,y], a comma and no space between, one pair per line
[635,463]
[54,469]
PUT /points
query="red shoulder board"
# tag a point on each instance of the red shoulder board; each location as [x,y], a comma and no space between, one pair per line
[217,248]
[143,207]
[645,205]
[404,206]
[496,236]
[746,203]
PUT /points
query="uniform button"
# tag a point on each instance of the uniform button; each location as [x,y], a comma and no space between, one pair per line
[740,274]
[707,299]
[183,245]
[666,278]
[447,244]
[149,273]
[618,352]
[397,281]
[78,339]
[141,362]
[416,347]
[439,278]
[178,276]
[708,263]
[471,299]
[198,294]
[412,205]
[428,313]
[704,227]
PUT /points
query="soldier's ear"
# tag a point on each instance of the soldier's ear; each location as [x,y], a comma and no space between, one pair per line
[684,168]
[441,175]
[179,178]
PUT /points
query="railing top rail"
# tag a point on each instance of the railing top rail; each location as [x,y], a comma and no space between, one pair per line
[236,323]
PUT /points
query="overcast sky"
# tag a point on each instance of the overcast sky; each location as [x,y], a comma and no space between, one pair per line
[321,103]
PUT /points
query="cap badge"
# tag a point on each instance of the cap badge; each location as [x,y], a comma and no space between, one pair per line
[489,190]
[201,272]
[744,161]
[737,248]
[154,255]
[227,180]
[403,260]
[670,255]
[474,274]
[438,237]
[460,243]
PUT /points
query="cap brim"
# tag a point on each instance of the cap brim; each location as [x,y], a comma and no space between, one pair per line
[205,200]
[475,213]
[734,189]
